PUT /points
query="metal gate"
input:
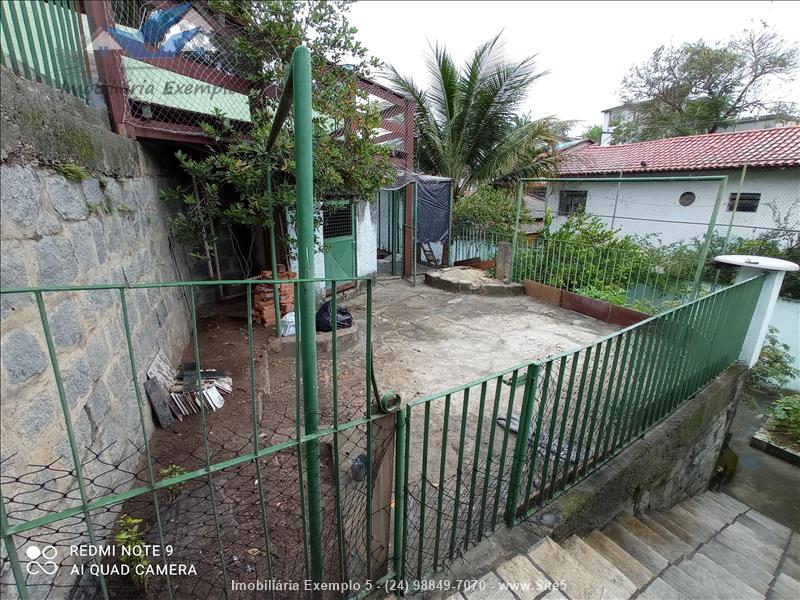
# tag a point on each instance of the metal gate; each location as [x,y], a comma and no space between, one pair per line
[397,229]
[338,233]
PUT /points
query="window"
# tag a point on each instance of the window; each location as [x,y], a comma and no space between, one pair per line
[747,202]
[570,201]
[337,220]
[686,199]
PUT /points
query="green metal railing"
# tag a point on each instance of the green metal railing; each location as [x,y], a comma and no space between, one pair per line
[46,42]
[468,242]
[571,412]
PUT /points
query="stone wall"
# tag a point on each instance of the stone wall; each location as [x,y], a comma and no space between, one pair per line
[108,226]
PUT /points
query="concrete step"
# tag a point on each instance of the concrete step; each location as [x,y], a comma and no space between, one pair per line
[667,534]
[738,537]
[708,585]
[685,584]
[740,589]
[622,560]
[745,569]
[730,501]
[773,536]
[520,569]
[691,536]
[559,565]
[661,590]
[790,566]
[773,525]
[725,512]
[785,588]
[649,537]
[489,589]
[614,582]
[703,515]
[688,522]
[649,558]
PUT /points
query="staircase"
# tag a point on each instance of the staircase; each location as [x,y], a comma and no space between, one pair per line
[707,547]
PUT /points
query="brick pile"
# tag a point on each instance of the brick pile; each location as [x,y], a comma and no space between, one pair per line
[263,301]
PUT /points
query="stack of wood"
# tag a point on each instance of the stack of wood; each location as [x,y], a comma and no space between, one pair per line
[264,302]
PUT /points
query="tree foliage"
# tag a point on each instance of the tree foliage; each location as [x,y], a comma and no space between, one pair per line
[490,209]
[467,121]
[593,133]
[698,88]
[346,161]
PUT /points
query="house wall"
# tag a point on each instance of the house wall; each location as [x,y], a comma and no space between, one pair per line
[786,320]
[366,239]
[653,209]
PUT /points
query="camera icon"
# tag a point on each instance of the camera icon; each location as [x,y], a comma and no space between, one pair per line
[41,560]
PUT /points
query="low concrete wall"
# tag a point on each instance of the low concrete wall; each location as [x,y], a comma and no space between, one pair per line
[674,460]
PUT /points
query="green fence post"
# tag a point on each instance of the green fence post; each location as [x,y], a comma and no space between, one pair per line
[709,234]
[11,552]
[301,67]
[520,187]
[518,466]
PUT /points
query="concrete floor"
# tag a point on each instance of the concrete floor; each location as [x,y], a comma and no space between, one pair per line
[766,483]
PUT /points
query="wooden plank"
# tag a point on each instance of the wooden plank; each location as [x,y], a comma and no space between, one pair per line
[383,448]
[159,402]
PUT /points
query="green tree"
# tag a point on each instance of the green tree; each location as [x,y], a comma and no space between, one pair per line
[593,133]
[228,180]
[467,122]
[492,209]
[698,88]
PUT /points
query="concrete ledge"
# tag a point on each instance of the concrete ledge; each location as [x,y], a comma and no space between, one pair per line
[345,339]
[766,442]
[465,280]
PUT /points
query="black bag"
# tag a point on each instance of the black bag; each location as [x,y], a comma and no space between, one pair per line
[324,321]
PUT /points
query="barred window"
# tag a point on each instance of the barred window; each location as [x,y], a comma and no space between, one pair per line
[747,202]
[570,201]
[337,220]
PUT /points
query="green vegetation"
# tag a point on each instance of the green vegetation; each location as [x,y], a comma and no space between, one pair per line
[176,489]
[124,209]
[72,172]
[467,121]
[785,414]
[132,538]
[229,182]
[593,133]
[490,209]
[698,88]
[774,367]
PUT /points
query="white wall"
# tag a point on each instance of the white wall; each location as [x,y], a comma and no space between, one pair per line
[786,320]
[653,208]
[319,257]
[366,239]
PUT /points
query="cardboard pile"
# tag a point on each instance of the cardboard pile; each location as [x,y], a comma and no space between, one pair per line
[264,302]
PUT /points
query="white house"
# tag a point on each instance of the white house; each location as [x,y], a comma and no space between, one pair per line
[766,199]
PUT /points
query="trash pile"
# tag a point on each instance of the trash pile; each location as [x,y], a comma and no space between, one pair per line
[176,391]
[264,302]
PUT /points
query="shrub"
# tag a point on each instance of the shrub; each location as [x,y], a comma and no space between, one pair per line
[490,209]
[785,413]
[774,367]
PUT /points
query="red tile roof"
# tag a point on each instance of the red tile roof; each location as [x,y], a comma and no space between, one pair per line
[776,147]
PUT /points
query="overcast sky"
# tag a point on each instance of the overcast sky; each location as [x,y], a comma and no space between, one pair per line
[587,46]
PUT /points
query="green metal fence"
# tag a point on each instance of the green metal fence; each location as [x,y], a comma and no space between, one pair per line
[46,42]
[467,473]
[474,243]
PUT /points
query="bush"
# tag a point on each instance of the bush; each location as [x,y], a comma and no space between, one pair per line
[489,209]
[774,367]
[785,413]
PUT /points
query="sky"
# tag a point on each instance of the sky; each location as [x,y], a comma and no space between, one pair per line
[587,47]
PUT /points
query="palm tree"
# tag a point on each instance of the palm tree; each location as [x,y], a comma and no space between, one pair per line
[467,123]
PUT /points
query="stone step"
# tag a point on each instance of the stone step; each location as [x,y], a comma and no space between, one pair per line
[559,565]
[649,558]
[667,534]
[790,566]
[741,589]
[785,588]
[730,501]
[708,585]
[521,570]
[745,569]
[614,582]
[685,584]
[622,560]
[689,523]
[661,590]
[649,537]
[726,513]
[692,537]
[773,525]
[748,544]
[489,588]
[703,515]
[773,536]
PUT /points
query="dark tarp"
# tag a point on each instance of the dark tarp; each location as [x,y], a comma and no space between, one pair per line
[433,210]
